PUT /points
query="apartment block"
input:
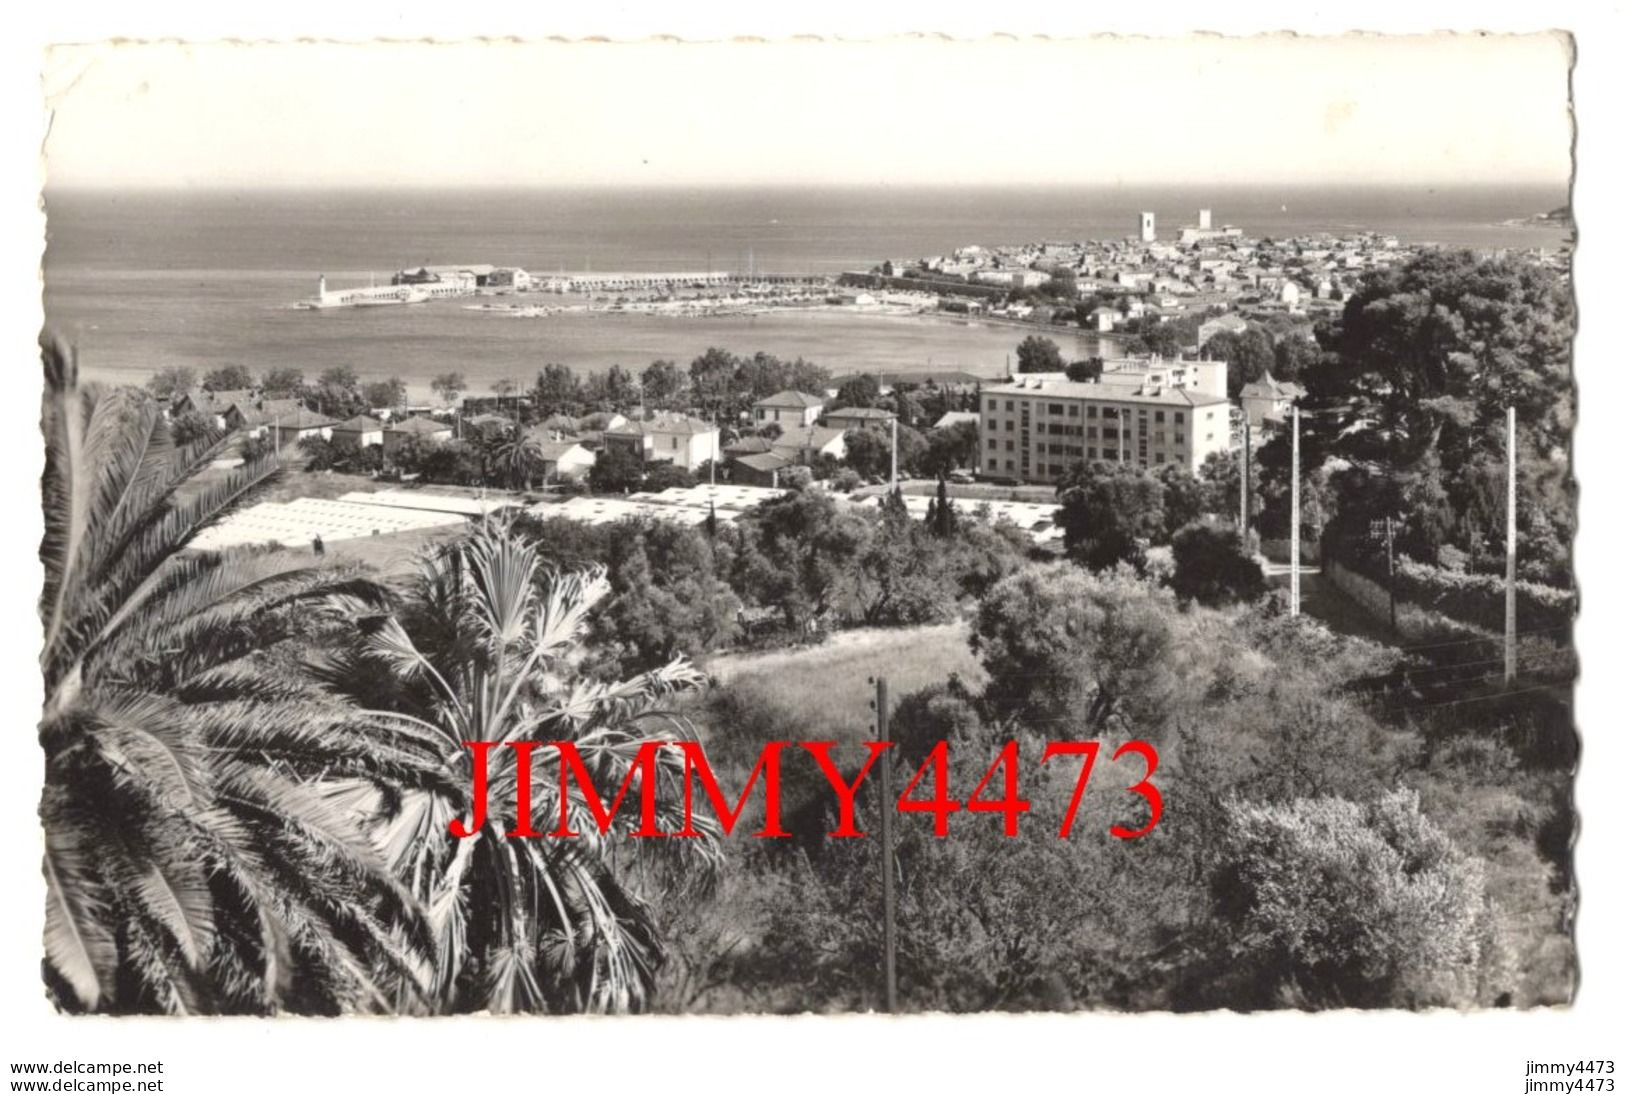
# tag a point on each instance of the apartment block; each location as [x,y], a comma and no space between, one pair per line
[1143,413]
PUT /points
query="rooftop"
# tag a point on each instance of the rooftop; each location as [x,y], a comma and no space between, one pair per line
[679,424]
[419,425]
[871,412]
[1069,389]
[360,424]
[798,399]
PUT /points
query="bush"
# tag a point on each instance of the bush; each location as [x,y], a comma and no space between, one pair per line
[1354,904]
[1477,599]
[1210,567]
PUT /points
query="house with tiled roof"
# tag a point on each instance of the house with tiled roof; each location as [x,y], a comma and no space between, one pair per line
[760,468]
[787,408]
[806,444]
[668,438]
[360,431]
[1268,401]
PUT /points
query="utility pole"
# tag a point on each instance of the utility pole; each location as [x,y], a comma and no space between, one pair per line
[1393,609]
[1512,545]
[894,453]
[888,893]
[1246,481]
[1295,563]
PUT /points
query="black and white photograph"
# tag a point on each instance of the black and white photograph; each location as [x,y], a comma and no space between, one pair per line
[906,526]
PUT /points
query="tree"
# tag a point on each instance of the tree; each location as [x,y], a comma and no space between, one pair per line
[340,376]
[665,476]
[228,378]
[1109,512]
[167,383]
[1249,355]
[1039,354]
[1184,498]
[1449,340]
[862,390]
[664,385]
[1210,567]
[796,555]
[558,391]
[711,380]
[448,386]
[282,381]
[191,427]
[944,518]
[503,388]
[1077,653]
[950,448]
[617,470]
[194,861]
[1085,371]
[483,648]
[868,452]
[1295,355]
[384,394]
[1339,903]
[669,596]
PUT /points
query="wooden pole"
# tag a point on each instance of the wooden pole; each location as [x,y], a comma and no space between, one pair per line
[1393,607]
[1246,480]
[1512,546]
[894,453]
[1295,563]
[888,893]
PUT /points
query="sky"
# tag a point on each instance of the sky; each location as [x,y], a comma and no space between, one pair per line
[906,111]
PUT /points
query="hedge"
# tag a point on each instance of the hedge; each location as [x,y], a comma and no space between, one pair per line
[1478,599]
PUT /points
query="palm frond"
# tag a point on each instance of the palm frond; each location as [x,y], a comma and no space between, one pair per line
[78,942]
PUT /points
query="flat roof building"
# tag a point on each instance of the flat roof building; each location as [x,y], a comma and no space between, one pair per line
[1034,428]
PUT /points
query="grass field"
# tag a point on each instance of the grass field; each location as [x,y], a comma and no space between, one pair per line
[826,688]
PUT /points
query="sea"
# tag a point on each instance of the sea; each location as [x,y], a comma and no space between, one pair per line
[145,280]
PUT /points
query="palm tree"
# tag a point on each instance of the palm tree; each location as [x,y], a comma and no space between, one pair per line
[481,649]
[194,858]
[520,455]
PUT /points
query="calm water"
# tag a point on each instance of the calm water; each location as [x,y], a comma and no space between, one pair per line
[201,278]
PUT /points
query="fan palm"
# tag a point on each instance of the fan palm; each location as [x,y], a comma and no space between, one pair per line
[193,860]
[481,649]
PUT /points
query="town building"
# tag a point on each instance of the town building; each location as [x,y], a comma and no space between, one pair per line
[360,431]
[1268,401]
[807,443]
[301,424]
[759,468]
[564,458]
[669,438]
[1148,227]
[1034,428]
[788,408]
